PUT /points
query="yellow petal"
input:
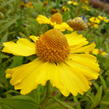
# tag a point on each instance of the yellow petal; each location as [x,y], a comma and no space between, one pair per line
[85,64]
[43,20]
[63,26]
[76,39]
[65,79]
[34,38]
[81,49]
[23,47]
[28,76]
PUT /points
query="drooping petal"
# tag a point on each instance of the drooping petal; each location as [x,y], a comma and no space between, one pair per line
[28,76]
[66,79]
[78,43]
[85,64]
[23,47]
[81,49]
[62,27]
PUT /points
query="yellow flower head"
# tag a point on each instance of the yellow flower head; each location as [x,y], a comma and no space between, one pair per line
[94,20]
[64,60]
[55,20]
[93,25]
[78,24]
[64,8]
[87,8]
[75,3]
[103,19]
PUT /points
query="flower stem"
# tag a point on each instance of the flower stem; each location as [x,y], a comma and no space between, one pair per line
[48,93]
[57,3]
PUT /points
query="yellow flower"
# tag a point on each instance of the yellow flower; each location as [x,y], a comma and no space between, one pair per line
[103,19]
[77,24]
[72,2]
[94,20]
[64,60]
[87,8]
[55,20]
[64,8]
[93,25]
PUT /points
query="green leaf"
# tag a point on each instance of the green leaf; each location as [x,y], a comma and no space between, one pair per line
[18,102]
[55,106]
[97,98]
[17,60]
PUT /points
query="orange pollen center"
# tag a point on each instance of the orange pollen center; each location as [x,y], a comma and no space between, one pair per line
[52,47]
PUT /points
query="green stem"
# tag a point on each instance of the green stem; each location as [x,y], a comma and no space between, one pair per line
[105,102]
[48,92]
[76,101]
[57,3]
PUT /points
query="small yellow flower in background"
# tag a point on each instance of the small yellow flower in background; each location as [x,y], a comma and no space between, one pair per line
[55,20]
[93,25]
[72,2]
[103,19]
[27,4]
[94,20]
[99,51]
[87,8]
[77,24]
[64,8]
[64,60]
